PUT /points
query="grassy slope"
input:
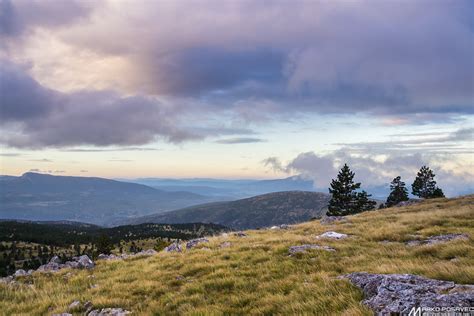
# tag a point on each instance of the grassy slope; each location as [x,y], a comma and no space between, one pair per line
[256,275]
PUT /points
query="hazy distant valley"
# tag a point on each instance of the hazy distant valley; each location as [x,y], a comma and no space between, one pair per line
[105,202]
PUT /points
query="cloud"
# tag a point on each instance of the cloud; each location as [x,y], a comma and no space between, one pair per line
[10,154]
[240,140]
[41,160]
[300,57]
[374,172]
[36,117]
[91,150]
[19,16]
[456,142]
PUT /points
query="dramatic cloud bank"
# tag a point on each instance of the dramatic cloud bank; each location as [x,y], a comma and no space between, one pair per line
[410,62]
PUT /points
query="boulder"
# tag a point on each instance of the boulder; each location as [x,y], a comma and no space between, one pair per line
[85,262]
[55,259]
[50,267]
[194,242]
[329,220]
[175,247]
[296,249]
[7,280]
[20,272]
[388,294]
[332,235]
[109,312]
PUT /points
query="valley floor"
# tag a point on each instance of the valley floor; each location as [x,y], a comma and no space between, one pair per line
[256,275]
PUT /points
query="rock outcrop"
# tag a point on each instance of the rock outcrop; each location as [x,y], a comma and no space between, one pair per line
[388,294]
[82,262]
[175,247]
[437,239]
[302,248]
[194,242]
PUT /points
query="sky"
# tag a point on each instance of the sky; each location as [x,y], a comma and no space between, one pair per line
[238,89]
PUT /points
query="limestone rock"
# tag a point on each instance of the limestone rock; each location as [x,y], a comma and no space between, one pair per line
[175,247]
[332,235]
[296,249]
[109,312]
[437,239]
[194,242]
[225,244]
[74,305]
[399,293]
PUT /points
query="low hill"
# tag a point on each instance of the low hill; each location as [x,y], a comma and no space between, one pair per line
[254,275]
[35,196]
[65,234]
[277,208]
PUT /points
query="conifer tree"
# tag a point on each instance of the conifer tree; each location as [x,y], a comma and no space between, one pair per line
[424,185]
[398,192]
[345,198]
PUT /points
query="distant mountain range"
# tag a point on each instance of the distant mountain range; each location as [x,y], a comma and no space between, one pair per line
[255,212]
[34,196]
[227,189]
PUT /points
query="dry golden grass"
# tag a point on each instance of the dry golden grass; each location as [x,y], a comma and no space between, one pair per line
[256,276]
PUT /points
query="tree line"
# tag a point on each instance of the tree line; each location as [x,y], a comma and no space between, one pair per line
[347,198]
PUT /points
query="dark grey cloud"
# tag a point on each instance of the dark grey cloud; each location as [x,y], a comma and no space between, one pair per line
[19,16]
[247,55]
[42,117]
[240,140]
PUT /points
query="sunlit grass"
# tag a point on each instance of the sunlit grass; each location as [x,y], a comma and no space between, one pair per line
[255,275]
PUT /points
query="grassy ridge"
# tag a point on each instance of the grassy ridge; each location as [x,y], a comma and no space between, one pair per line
[256,276]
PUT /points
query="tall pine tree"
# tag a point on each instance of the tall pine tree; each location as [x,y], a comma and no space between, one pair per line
[345,198]
[424,185]
[398,192]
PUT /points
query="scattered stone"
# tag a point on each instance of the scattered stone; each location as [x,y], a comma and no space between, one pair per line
[296,249]
[437,239]
[194,242]
[225,244]
[329,220]
[82,262]
[175,247]
[74,305]
[62,314]
[85,262]
[282,226]
[109,312]
[20,272]
[332,235]
[388,294]
[240,234]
